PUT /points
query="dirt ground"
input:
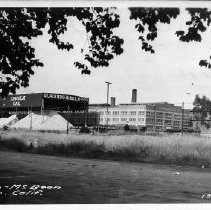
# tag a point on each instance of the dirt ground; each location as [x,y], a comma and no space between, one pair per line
[95,181]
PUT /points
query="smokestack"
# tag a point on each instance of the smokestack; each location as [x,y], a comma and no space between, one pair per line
[134,96]
[113,101]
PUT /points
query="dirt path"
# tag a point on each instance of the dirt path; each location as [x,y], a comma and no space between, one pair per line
[95,181]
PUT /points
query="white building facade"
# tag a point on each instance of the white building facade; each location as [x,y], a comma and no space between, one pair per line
[153,116]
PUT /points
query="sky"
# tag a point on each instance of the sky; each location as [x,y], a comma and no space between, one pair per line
[168,75]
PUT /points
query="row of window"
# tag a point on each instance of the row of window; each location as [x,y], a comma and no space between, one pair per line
[161,115]
[148,121]
[148,114]
[166,122]
[160,121]
[122,119]
[116,113]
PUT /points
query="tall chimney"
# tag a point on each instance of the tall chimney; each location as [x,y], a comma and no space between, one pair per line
[113,101]
[134,96]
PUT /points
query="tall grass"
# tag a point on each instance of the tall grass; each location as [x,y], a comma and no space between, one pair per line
[166,149]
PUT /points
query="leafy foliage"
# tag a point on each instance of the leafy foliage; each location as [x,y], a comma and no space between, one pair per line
[103,44]
[19,25]
[200,19]
[16,56]
[147,20]
[201,109]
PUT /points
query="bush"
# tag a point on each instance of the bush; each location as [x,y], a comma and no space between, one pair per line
[14,144]
[143,129]
[126,127]
[84,130]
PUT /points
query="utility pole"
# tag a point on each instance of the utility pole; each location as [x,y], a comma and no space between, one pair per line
[86,115]
[108,83]
[154,118]
[86,118]
[31,119]
[42,120]
[68,118]
[182,116]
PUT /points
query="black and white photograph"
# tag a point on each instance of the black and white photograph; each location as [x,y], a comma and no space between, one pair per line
[105,102]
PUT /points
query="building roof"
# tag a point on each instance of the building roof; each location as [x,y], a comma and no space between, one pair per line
[148,103]
[101,105]
[46,100]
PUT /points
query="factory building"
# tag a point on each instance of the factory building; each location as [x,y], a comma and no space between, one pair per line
[154,116]
[39,101]
[72,108]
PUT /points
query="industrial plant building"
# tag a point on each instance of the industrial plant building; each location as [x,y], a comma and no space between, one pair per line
[157,116]
[73,108]
[76,110]
[43,101]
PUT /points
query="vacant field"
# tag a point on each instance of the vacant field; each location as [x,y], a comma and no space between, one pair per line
[95,181]
[166,149]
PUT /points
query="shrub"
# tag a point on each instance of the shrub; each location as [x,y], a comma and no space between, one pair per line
[126,127]
[84,130]
[14,144]
[143,129]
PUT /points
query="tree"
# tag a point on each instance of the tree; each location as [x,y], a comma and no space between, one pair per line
[202,109]
[19,25]
[199,22]
[147,19]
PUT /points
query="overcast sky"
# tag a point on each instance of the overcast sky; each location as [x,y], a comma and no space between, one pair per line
[166,75]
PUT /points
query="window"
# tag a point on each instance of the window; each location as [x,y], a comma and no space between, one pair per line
[186,117]
[109,113]
[132,112]
[101,113]
[159,114]
[185,123]
[115,112]
[123,119]
[141,113]
[132,119]
[168,122]
[150,114]
[159,121]
[116,119]
[159,128]
[177,116]
[123,112]
[150,128]
[167,115]
[101,119]
[176,123]
[150,120]
[141,119]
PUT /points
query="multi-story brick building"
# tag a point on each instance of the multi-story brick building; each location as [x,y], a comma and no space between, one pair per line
[154,116]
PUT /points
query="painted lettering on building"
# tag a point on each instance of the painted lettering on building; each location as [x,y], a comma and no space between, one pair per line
[17,99]
[64,97]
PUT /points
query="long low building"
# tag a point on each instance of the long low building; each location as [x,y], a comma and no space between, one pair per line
[154,116]
[48,101]
[73,108]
